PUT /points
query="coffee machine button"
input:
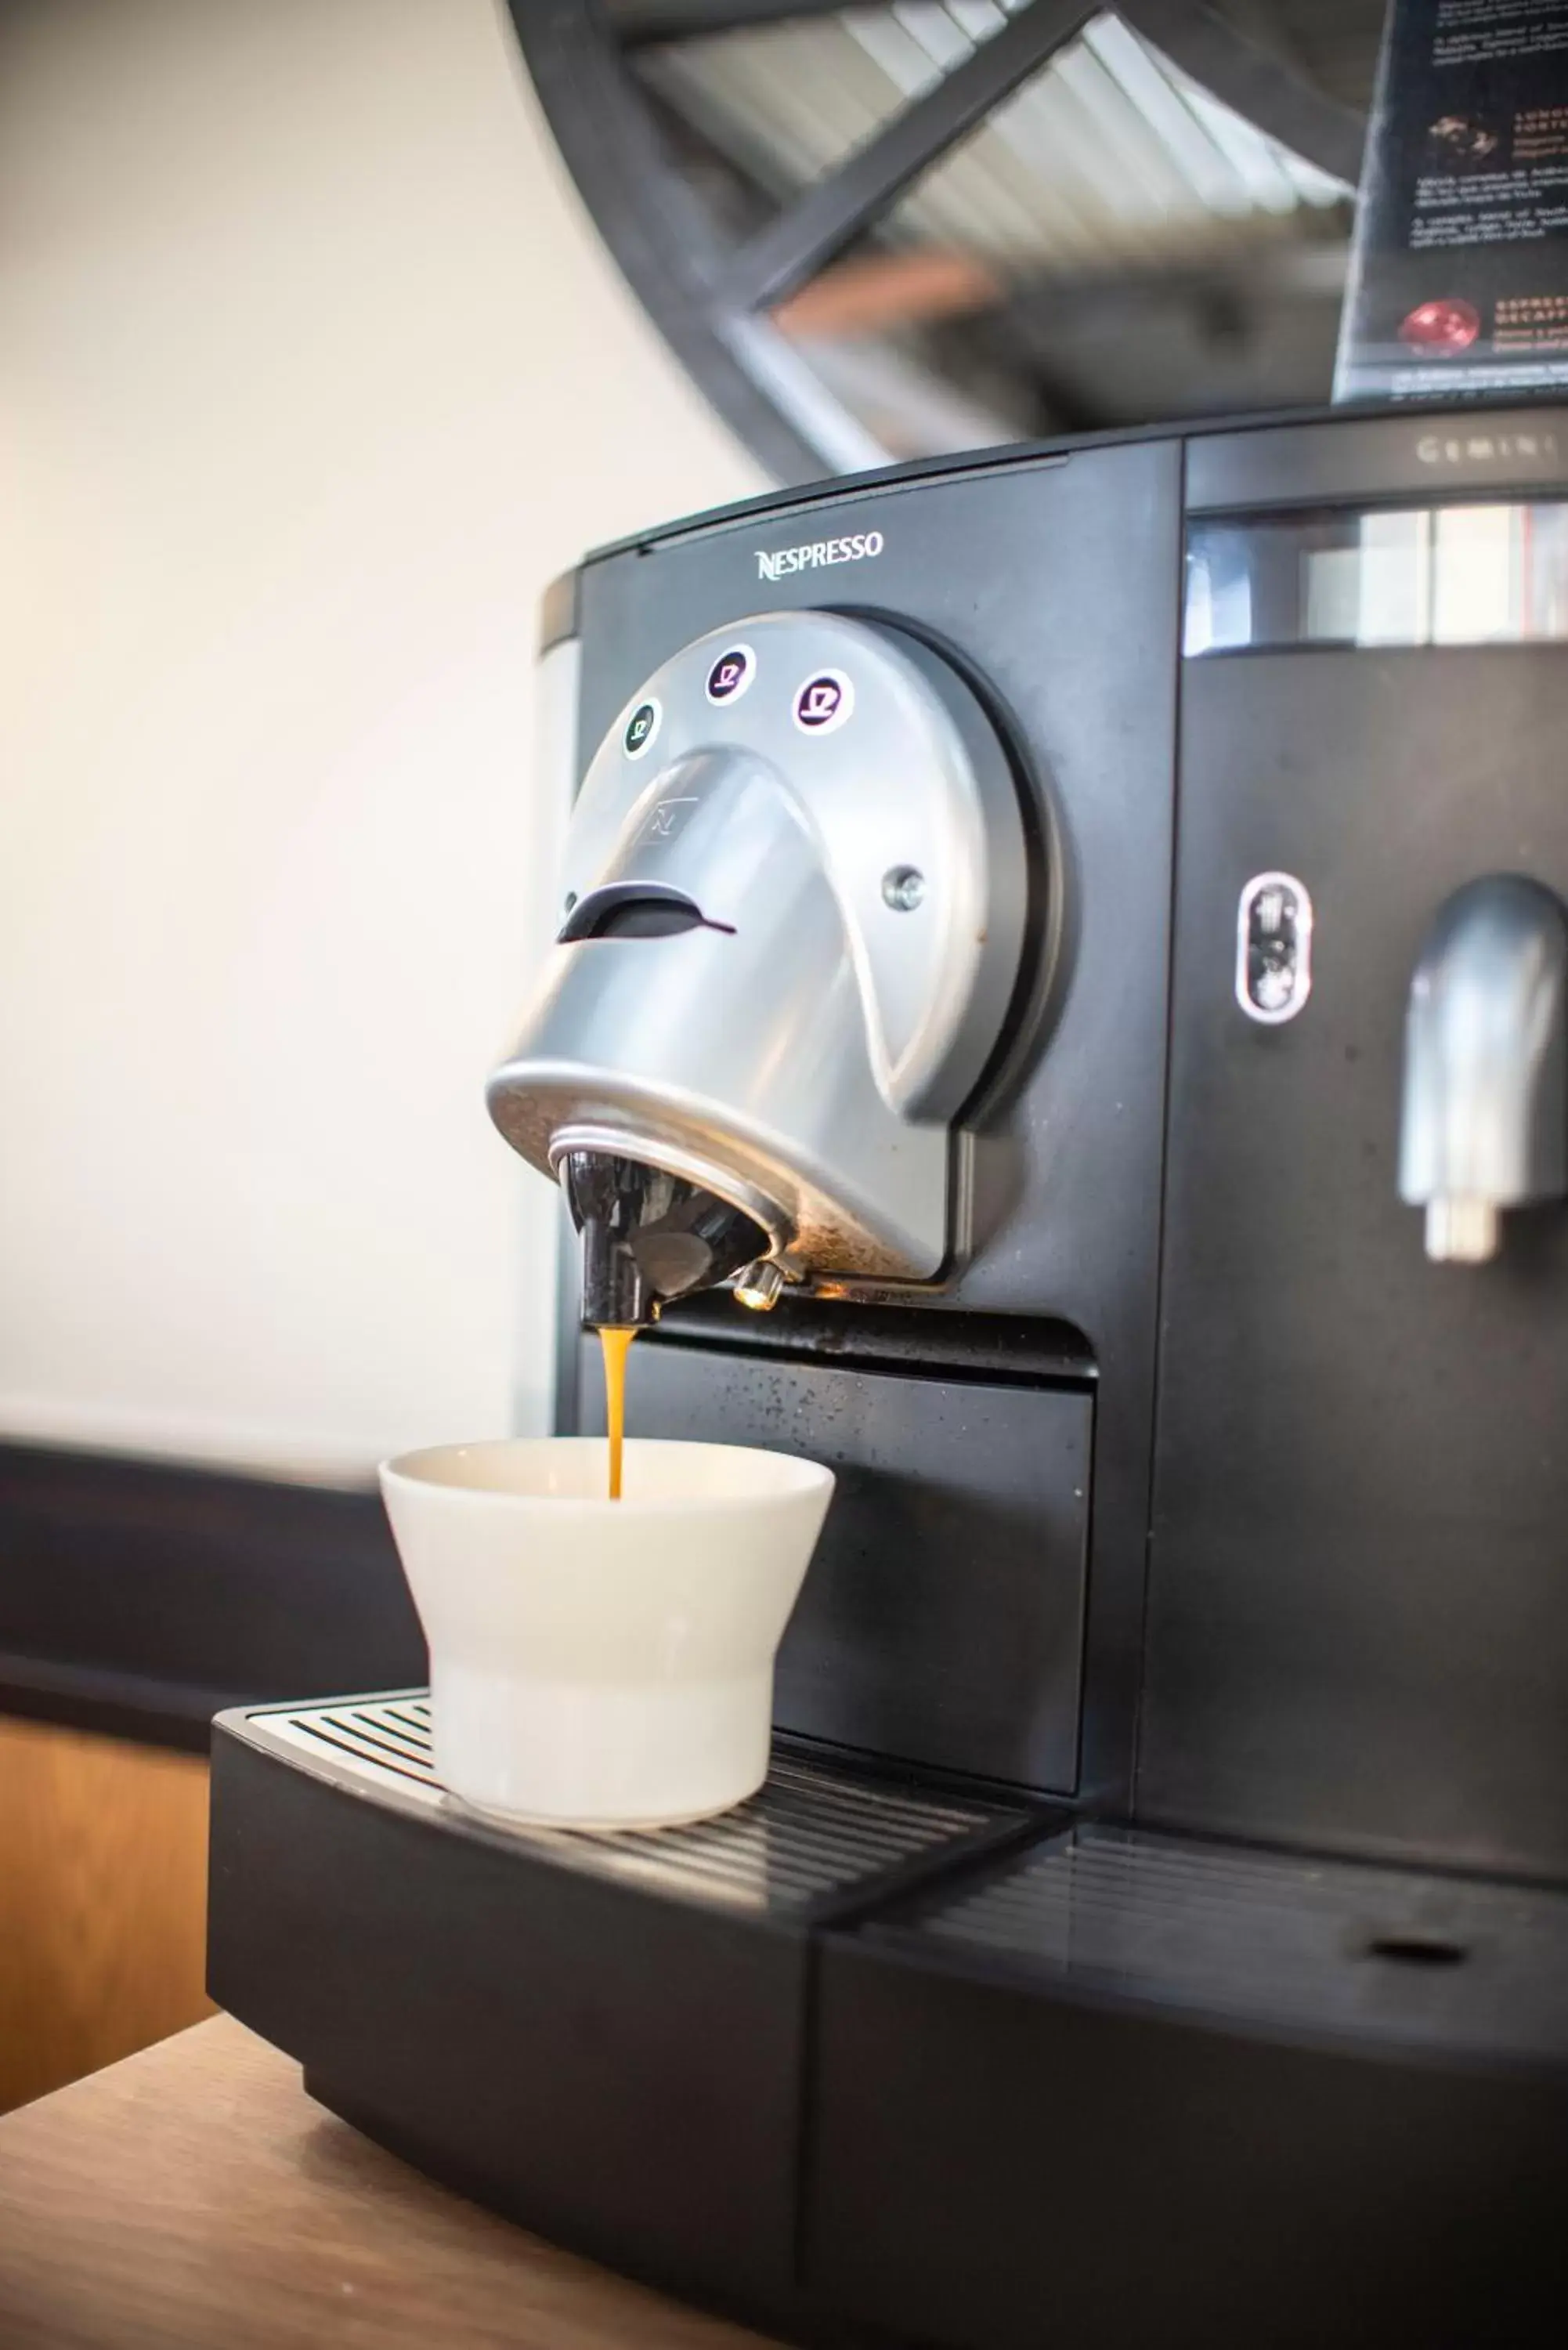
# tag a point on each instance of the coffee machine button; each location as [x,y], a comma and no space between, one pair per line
[641,727]
[730,674]
[823,701]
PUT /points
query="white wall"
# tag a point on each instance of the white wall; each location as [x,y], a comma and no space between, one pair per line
[312,373]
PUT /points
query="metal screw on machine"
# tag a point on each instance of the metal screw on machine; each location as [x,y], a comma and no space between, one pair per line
[903,888]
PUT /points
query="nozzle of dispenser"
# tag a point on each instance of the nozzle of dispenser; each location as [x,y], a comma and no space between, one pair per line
[760,1285]
[1484,1124]
[648,1236]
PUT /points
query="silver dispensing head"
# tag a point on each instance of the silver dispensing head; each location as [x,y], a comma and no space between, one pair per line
[1485,1122]
[793,912]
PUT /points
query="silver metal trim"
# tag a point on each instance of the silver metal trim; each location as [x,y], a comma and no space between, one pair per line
[802,1037]
[385,1739]
[546,1362]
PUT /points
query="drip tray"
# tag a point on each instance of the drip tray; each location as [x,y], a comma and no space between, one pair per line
[813,1837]
[603,2033]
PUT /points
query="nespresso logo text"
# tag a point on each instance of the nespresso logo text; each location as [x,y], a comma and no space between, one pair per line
[858,549]
[1478,448]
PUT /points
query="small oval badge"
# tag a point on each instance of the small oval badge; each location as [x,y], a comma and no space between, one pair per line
[1273,948]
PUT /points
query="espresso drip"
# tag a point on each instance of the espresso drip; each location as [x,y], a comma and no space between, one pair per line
[616,1345]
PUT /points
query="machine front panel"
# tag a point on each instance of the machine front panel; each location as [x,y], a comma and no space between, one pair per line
[1358,1632]
[943,1618]
[1052,585]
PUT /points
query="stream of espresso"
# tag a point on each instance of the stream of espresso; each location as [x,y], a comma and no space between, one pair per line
[615,1344]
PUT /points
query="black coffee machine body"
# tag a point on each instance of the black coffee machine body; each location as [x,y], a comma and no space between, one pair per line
[1155,1926]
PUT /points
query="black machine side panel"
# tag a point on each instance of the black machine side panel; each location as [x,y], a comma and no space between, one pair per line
[1053,585]
[1359,1576]
[943,1618]
[997,2167]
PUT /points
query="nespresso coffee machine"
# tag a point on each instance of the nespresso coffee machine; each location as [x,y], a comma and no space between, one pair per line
[1061,1012]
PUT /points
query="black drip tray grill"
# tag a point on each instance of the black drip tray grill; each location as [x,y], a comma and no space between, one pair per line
[1334,1946]
[813,1834]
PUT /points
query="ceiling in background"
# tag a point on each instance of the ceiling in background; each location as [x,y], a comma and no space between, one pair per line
[933,225]
[1109,156]
[1041,232]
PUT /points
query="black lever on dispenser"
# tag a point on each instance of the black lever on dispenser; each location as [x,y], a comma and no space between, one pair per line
[635,910]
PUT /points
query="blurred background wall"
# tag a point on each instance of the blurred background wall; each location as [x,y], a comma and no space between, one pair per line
[312,374]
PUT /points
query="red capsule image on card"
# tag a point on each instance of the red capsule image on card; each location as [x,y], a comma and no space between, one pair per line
[1441,327]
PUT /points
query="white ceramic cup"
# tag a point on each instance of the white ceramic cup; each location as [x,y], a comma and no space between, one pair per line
[599,1663]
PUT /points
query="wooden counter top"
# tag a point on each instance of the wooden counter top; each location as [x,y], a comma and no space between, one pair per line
[194,2199]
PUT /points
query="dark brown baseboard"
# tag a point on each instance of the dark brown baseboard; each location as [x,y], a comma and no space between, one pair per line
[138,1597]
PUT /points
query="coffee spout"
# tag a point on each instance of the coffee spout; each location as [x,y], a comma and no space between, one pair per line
[1485,1123]
[648,1236]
